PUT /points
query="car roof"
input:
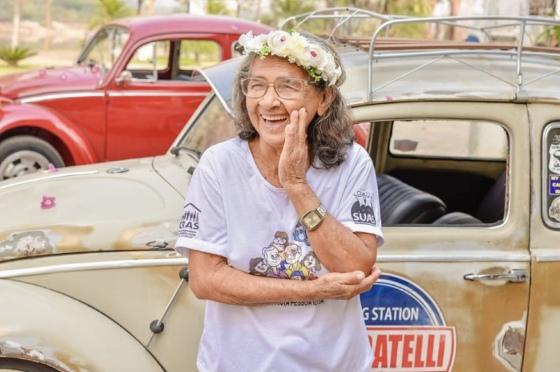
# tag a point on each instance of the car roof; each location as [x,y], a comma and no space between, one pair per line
[447,74]
[394,69]
[186,23]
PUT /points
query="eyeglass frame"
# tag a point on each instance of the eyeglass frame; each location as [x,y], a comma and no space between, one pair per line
[273,84]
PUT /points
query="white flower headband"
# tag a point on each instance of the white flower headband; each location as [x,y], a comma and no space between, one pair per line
[318,62]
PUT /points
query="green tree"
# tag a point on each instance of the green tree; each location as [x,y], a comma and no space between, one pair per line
[12,56]
[282,9]
[109,10]
[216,7]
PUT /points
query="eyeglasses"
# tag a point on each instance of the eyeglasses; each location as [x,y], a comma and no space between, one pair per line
[286,88]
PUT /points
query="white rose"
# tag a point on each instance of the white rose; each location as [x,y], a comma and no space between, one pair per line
[295,46]
[334,75]
[277,41]
[245,40]
[313,56]
[259,41]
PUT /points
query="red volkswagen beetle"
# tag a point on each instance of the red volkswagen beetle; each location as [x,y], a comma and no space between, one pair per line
[133,88]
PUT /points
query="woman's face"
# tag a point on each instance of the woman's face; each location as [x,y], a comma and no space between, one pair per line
[270,114]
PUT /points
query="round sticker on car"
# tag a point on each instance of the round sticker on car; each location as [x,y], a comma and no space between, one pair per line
[406,328]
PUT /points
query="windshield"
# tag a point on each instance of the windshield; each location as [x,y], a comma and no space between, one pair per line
[212,125]
[104,48]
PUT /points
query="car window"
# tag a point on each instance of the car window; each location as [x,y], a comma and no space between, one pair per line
[196,54]
[105,47]
[211,126]
[464,139]
[150,61]
[442,172]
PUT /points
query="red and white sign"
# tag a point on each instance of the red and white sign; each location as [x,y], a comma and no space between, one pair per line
[412,348]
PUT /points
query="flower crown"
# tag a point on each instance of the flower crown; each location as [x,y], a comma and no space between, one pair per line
[318,62]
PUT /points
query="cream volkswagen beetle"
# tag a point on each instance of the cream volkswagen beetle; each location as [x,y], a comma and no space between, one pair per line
[466,141]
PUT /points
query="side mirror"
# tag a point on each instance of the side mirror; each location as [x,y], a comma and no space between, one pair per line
[124,78]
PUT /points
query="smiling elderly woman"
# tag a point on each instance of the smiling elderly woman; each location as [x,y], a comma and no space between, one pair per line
[281,225]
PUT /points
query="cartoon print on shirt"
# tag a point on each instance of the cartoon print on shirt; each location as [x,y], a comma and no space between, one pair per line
[257,266]
[272,257]
[362,209]
[284,259]
[280,240]
[295,269]
[312,264]
[300,234]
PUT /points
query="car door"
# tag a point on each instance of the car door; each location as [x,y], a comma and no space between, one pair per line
[453,295]
[541,353]
[151,102]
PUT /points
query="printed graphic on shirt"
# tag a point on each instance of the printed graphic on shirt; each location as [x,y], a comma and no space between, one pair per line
[300,234]
[362,209]
[285,260]
[188,227]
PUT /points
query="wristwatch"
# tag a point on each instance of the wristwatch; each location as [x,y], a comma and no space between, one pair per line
[313,218]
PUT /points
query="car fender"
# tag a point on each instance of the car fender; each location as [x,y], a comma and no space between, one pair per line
[17,115]
[49,328]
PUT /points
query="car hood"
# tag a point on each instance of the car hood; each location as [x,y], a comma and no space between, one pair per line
[49,80]
[120,205]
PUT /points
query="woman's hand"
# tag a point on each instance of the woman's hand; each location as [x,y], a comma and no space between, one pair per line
[343,286]
[294,159]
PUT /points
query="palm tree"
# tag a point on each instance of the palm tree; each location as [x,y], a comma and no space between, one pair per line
[109,10]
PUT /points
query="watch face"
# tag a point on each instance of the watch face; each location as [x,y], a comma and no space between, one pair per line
[314,219]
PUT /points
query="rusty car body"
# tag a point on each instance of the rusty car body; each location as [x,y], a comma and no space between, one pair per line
[466,143]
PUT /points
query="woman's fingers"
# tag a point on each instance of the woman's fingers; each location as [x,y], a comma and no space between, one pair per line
[302,125]
[347,285]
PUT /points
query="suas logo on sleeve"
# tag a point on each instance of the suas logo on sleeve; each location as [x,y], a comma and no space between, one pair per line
[362,209]
[406,328]
[188,227]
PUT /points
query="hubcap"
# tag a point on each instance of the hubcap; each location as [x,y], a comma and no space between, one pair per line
[22,162]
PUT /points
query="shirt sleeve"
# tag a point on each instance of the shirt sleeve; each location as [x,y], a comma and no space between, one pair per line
[359,203]
[203,224]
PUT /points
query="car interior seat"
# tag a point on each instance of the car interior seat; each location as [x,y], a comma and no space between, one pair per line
[490,210]
[401,203]
[492,207]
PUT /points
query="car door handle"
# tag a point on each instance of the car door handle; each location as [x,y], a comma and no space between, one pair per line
[512,276]
[157,244]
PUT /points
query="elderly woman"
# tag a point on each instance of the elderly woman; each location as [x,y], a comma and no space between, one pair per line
[292,199]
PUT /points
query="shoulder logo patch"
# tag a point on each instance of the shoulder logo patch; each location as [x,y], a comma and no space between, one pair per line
[362,209]
[188,227]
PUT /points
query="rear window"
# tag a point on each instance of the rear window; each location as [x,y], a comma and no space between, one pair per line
[453,139]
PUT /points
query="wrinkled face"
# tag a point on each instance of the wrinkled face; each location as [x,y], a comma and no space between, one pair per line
[270,114]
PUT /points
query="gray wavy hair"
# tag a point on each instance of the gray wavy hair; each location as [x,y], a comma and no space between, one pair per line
[327,135]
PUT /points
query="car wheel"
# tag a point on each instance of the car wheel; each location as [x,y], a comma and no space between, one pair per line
[14,364]
[26,154]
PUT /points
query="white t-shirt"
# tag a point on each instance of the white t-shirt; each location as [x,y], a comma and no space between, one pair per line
[232,211]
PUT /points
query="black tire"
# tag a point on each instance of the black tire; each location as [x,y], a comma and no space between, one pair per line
[14,364]
[21,155]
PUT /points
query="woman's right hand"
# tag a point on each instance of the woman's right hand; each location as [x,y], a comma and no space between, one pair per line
[343,286]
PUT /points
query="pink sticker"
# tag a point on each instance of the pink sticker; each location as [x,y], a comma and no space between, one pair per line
[51,168]
[48,202]
[388,98]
